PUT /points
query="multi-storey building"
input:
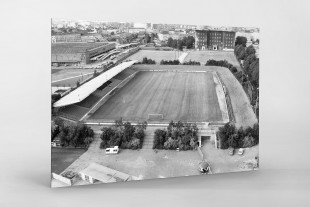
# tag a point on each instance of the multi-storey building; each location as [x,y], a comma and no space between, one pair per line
[214,39]
[201,37]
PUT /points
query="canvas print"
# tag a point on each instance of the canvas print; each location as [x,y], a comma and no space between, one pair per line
[134,101]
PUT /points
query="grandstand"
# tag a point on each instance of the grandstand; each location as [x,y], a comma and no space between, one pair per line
[78,52]
[104,85]
[89,101]
[89,87]
[124,74]
[73,106]
[73,112]
[107,88]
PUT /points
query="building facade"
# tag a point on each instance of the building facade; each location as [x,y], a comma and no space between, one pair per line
[201,37]
[214,40]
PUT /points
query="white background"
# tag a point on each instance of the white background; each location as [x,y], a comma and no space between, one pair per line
[284,178]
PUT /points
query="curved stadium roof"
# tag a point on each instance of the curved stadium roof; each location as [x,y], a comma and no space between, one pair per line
[89,87]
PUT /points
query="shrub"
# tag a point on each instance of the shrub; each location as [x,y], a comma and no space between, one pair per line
[59,122]
[171,144]
[139,133]
[159,139]
[145,60]
[103,145]
[75,135]
[233,141]
[135,143]
[229,136]
[248,141]
[124,135]
[224,133]
[255,133]
[125,145]
[55,131]
[193,143]
[190,62]
[221,63]
[178,134]
[169,62]
[234,69]
[107,132]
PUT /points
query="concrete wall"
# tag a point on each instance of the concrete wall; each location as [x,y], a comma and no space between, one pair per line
[62,179]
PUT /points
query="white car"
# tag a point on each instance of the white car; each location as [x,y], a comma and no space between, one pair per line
[113,150]
[241,151]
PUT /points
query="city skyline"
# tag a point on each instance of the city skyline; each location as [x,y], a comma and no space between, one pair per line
[57,21]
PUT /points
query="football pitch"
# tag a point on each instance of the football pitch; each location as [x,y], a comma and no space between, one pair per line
[177,95]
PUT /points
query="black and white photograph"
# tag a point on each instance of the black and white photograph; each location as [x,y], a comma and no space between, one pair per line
[134,101]
[147,103]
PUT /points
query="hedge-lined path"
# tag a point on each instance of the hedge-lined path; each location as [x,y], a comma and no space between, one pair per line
[148,140]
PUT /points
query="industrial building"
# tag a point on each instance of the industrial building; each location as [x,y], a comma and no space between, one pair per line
[214,39]
[74,53]
[88,37]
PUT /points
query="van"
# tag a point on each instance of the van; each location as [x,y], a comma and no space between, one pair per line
[113,150]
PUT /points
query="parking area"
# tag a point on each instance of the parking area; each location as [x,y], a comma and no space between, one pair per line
[222,162]
[144,164]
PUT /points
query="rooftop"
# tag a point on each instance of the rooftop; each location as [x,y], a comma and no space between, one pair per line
[214,30]
[89,87]
[105,174]
[74,47]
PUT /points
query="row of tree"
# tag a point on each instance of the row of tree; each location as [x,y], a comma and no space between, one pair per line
[233,137]
[124,135]
[177,135]
[147,61]
[71,135]
[250,68]
[190,62]
[170,62]
[241,40]
[188,42]
[55,98]
[221,63]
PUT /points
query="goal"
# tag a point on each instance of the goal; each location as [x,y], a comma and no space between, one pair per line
[155,117]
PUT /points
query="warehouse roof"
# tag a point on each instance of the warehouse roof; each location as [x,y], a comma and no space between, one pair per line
[74,47]
[105,174]
[67,57]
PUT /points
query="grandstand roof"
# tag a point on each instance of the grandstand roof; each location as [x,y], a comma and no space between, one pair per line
[89,87]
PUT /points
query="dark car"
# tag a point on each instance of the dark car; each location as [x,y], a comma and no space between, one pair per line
[204,167]
[231,151]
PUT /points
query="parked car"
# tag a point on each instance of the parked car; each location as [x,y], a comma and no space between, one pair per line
[231,151]
[204,167]
[112,150]
[241,151]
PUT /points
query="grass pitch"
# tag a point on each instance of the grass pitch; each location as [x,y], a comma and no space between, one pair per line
[178,96]
[69,77]
[155,55]
[204,56]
